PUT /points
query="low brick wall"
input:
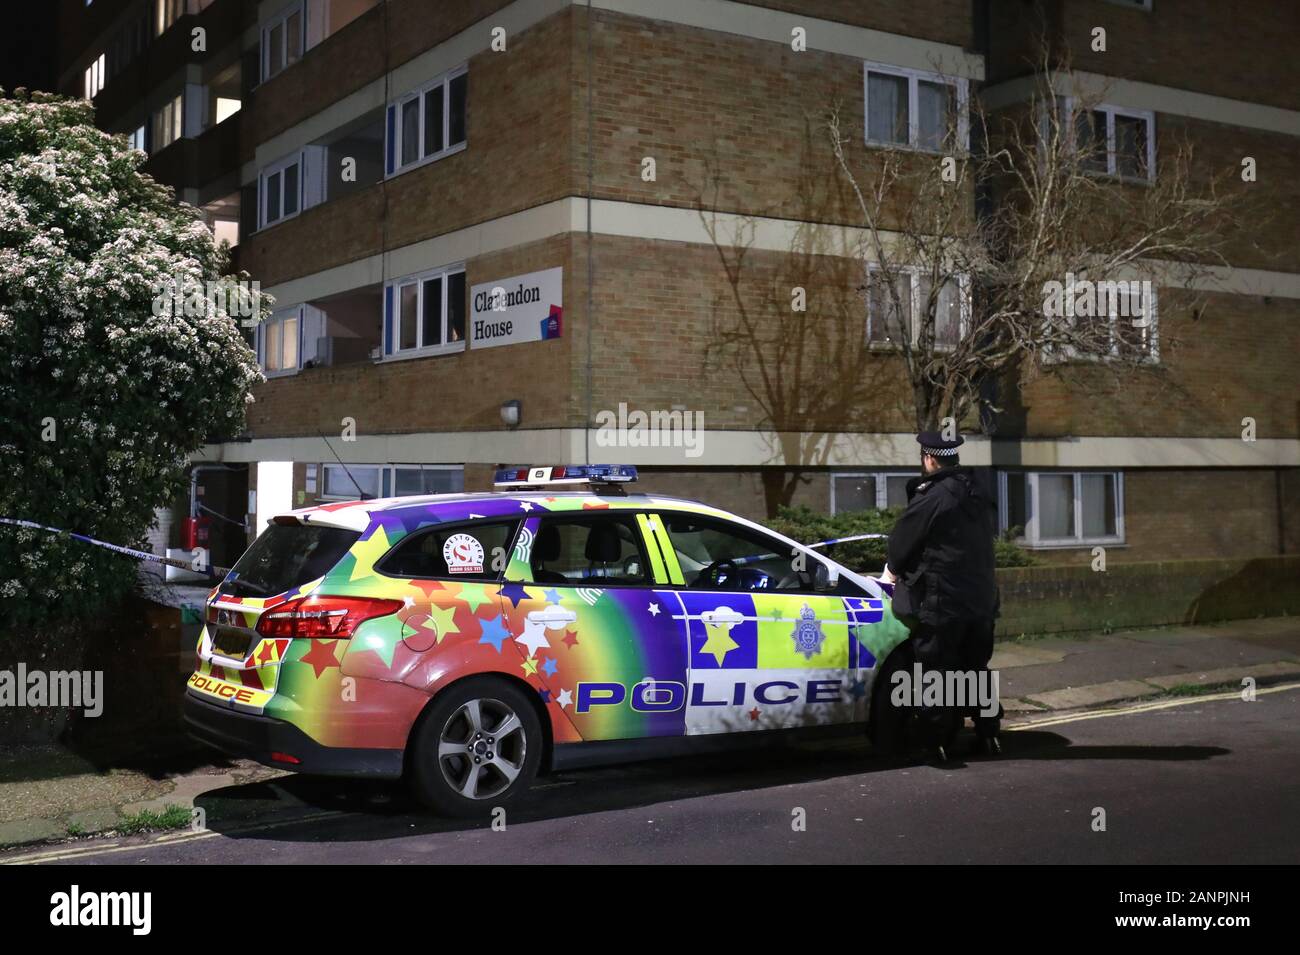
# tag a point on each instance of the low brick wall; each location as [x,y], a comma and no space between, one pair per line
[1146,594]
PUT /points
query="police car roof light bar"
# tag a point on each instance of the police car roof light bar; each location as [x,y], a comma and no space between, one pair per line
[565,475]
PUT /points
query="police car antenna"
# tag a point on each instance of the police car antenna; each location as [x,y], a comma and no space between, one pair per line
[363,494]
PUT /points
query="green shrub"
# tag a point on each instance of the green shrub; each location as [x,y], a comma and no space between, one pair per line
[106,388]
[808,526]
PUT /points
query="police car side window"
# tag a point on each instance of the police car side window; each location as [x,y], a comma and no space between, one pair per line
[572,550]
[468,551]
[717,555]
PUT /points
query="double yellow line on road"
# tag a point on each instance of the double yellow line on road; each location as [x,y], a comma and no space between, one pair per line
[1033,724]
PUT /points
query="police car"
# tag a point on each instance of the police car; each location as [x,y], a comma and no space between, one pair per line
[471,641]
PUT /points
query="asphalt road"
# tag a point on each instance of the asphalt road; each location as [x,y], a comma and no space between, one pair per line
[1206,781]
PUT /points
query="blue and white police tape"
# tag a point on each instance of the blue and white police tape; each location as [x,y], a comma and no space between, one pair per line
[216,573]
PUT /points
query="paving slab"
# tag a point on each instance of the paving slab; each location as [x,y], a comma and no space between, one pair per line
[1095,694]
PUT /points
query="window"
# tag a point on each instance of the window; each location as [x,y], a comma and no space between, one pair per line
[287,556]
[280,341]
[914,108]
[443,552]
[1113,320]
[429,122]
[167,12]
[1112,141]
[95,77]
[430,312]
[167,124]
[282,40]
[1062,508]
[578,549]
[391,480]
[226,107]
[139,139]
[281,188]
[718,555]
[868,491]
[897,299]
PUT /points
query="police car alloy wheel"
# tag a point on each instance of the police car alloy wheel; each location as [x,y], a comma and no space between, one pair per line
[478,747]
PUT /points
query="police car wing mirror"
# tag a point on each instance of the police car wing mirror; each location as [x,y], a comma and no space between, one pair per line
[825,577]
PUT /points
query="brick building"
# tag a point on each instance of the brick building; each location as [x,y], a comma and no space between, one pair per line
[488,225]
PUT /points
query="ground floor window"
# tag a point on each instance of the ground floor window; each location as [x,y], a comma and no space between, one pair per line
[1062,508]
[389,480]
[865,490]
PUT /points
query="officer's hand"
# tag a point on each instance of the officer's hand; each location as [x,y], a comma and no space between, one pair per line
[887,575]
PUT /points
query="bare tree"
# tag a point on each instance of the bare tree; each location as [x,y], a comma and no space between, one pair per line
[1017,255]
[788,324]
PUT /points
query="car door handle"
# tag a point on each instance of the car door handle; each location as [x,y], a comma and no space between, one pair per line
[722,615]
[552,617]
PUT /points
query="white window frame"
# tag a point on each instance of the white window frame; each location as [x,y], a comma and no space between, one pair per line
[387,477]
[1031,537]
[1152,356]
[294,159]
[916,274]
[1069,104]
[882,486]
[443,80]
[274,325]
[94,76]
[913,77]
[282,19]
[418,280]
[176,108]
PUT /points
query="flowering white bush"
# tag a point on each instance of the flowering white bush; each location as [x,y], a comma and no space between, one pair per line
[101,399]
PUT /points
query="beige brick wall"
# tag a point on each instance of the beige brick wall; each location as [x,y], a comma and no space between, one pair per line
[1235,361]
[1174,514]
[457,392]
[517,155]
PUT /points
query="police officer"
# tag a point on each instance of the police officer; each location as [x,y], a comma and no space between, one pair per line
[941,563]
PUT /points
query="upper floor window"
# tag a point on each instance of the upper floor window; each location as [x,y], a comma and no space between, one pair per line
[281,190]
[1062,508]
[425,312]
[283,40]
[94,78]
[1106,320]
[138,139]
[897,300]
[1111,140]
[278,343]
[914,108]
[429,122]
[168,123]
[865,491]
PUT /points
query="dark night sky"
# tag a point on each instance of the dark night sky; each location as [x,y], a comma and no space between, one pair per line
[28,45]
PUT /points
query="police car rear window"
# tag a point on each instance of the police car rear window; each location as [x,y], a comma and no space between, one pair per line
[288,556]
[474,551]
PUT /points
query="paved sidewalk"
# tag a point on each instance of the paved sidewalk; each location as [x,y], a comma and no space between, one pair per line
[1054,673]
[48,793]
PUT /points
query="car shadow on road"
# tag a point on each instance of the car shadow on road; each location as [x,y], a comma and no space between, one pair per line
[316,809]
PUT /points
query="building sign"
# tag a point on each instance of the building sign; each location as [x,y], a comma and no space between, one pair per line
[523,308]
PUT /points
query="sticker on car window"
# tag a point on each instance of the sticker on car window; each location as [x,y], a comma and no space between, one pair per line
[463,554]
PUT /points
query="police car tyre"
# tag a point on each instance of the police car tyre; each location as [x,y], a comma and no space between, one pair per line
[890,726]
[477,747]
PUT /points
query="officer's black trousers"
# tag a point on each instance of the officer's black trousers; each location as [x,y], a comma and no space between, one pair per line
[966,646]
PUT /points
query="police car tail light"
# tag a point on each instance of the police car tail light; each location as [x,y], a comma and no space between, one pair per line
[323,617]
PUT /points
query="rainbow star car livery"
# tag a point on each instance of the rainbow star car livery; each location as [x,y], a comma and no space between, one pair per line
[469,641]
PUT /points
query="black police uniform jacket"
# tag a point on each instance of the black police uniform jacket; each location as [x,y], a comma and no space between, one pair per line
[941,551]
